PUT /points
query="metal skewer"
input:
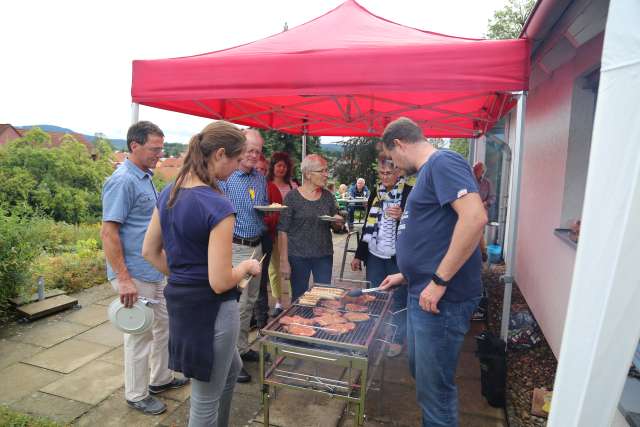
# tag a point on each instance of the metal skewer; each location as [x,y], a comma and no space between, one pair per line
[247,278]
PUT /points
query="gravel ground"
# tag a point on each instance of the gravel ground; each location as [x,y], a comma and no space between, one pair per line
[527,368]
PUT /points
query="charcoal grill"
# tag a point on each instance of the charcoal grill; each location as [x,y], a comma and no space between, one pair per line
[355,354]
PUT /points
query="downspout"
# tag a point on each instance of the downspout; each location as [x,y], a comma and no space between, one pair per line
[514,203]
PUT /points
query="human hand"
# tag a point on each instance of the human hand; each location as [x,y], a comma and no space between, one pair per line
[128,292]
[356,265]
[394,212]
[251,266]
[285,269]
[392,280]
[430,296]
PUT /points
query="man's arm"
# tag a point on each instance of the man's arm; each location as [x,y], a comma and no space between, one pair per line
[112,245]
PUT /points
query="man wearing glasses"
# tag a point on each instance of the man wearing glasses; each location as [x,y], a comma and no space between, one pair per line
[128,200]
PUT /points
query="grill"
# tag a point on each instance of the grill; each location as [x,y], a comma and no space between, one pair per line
[355,353]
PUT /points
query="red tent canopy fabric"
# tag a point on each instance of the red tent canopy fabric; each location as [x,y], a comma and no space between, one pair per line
[346,73]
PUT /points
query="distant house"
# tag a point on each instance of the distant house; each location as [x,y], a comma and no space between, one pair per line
[8,133]
[168,168]
[118,158]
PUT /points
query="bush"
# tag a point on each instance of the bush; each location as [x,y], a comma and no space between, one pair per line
[57,237]
[72,271]
[11,418]
[17,250]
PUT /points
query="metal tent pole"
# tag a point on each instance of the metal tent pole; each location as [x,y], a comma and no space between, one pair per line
[512,215]
[135,112]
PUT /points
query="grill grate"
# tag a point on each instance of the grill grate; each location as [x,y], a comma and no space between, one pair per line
[358,338]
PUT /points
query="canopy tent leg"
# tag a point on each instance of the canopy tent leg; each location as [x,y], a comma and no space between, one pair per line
[304,148]
[512,215]
[135,112]
[603,321]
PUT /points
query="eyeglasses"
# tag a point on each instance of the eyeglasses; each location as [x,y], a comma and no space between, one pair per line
[322,171]
[385,173]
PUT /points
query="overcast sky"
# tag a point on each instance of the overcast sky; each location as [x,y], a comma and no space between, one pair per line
[68,63]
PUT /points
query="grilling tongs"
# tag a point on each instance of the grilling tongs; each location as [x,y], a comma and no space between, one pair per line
[357,292]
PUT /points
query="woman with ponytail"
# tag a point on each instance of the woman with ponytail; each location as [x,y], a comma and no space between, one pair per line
[189,239]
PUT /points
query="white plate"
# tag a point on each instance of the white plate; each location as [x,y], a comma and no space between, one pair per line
[270,208]
[135,320]
[327,218]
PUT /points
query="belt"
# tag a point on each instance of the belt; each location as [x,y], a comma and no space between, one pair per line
[247,242]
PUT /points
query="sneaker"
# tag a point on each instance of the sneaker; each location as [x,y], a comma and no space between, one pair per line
[479,314]
[394,350]
[175,383]
[276,311]
[253,356]
[149,405]
[244,376]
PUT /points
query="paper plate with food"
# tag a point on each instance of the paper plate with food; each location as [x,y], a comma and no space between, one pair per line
[273,207]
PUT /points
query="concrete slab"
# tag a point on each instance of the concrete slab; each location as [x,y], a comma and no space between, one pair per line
[475,420]
[178,417]
[114,412]
[470,400]
[91,383]
[91,315]
[48,334]
[105,334]
[303,409]
[47,405]
[105,301]
[12,352]
[397,371]
[115,356]
[395,403]
[68,355]
[20,380]
[96,293]
[49,293]
[243,410]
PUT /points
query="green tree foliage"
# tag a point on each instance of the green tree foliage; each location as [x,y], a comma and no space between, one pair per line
[460,145]
[172,149]
[358,160]
[62,182]
[507,22]
[292,144]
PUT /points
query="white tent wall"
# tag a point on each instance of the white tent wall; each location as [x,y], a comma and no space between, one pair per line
[544,263]
[603,320]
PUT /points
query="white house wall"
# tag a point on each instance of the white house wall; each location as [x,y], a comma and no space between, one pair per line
[544,263]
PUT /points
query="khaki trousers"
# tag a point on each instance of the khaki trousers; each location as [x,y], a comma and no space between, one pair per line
[146,356]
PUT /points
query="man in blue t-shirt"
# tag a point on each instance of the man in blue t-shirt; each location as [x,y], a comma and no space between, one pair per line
[439,260]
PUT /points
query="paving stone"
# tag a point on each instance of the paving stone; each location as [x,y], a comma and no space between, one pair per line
[91,383]
[106,301]
[12,352]
[115,356]
[178,394]
[114,412]
[179,417]
[95,293]
[470,400]
[396,370]
[469,343]
[68,355]
[48,334]
[47,405]
[303,409]
[394,403]
[244,410]
[91,315]
[468,366]
[105,334]
[20,380]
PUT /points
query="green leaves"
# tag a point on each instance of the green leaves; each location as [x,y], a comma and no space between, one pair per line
[507,23]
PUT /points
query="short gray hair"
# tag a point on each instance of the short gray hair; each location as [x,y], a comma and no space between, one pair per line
[311,163]
[403,129]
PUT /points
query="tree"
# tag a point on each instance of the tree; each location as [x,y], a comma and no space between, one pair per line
[507,23]
[63,182]
[292,144]
[358,160]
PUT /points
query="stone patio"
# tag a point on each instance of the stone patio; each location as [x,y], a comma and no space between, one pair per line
[68,367]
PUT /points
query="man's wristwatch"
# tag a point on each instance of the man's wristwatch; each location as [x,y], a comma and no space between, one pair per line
[439,280]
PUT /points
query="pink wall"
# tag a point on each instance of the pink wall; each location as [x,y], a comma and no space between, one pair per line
[544,263]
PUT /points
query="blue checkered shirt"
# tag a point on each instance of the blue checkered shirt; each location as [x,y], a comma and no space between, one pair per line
[238,188]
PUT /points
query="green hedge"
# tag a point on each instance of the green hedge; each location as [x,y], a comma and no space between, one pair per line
[9,418]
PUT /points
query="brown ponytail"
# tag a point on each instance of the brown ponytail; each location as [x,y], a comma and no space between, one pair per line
[202,145]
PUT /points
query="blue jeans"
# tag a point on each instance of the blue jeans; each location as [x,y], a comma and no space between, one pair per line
[379,268]
[301,269]
[434,342]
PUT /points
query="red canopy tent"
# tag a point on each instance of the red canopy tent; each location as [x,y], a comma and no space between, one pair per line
[347,72]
